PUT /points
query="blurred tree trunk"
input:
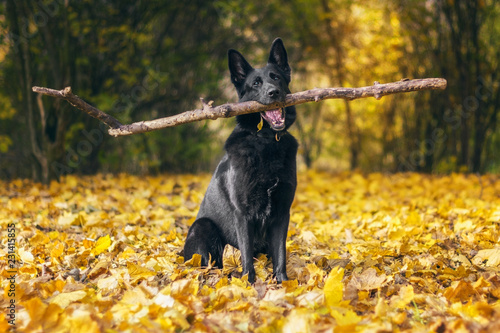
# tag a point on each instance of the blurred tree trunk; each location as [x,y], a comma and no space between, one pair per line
[458,24]
[335,40]
[310,140]
[478,108]
[47,128]
[465,51]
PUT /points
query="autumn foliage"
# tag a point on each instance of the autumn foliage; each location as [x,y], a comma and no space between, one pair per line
[376,253]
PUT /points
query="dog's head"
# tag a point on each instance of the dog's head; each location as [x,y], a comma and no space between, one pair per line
[265,85]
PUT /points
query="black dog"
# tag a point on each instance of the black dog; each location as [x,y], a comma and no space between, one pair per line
[247,204]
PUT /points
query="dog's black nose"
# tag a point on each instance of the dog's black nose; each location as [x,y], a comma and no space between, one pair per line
[273,93]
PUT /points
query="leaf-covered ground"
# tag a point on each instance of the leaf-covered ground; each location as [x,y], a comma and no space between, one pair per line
[375,253]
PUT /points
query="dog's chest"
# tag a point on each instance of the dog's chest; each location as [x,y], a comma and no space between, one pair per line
[271,169]
[261,169]
[269,164]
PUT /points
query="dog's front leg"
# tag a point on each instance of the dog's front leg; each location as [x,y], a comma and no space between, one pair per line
[245,235]
[277,246]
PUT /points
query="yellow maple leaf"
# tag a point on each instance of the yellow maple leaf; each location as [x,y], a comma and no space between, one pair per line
[185,287]
[26,256]
[315,274]
[345,317]
[381,308]
[290,285]
[135,296]
[164,300]
[88,243]
[268,306]
[65,299]
[101,267]
[310,299]
[224,281]
[240,306]
[83,323]
[491,256]
[109,283]
[57,250]
[176,321]
[138,272]
[368,280]
[231,260]
[298,321]
[404,297]
[139,204]
[36,308]
[101,245]
[334,287]
[28,269]
[68,219]
[127,253]
[414,218]
[4,325]
[53,235]
[52,316]
[459,290]
[39,239]
[195,261]
[480,311]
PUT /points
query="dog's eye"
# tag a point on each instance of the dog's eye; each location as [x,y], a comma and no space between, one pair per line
[256,83]
[274,76]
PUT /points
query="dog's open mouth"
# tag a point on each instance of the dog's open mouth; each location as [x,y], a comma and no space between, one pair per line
[275,118]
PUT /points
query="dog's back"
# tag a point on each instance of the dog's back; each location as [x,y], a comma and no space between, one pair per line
[247,203]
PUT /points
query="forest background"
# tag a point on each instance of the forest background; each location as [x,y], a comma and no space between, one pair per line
[140,60]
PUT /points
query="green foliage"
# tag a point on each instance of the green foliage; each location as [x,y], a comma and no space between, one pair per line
[5,143]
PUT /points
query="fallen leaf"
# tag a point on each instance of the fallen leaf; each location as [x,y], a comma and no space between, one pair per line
[138,272]
[368,280]
[26,256]
[65,299]
[402,299]
[490,257]
[101,245]
[334,287]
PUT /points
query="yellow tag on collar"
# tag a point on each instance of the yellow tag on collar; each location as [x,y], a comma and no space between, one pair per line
[261,124]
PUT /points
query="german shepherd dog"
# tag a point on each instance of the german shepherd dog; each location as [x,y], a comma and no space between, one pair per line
[247,203]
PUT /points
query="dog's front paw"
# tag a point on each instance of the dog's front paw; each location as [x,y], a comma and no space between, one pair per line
[251,276]
[280,277]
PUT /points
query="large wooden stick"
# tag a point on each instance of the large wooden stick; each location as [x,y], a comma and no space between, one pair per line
[233,109]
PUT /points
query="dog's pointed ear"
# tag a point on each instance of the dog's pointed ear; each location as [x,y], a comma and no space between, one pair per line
[238,67]
[278,57]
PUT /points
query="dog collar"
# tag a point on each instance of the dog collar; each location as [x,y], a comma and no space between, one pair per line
[268,133]
[280,134]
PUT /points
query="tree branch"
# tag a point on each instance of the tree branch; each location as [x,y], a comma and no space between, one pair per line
[233,109]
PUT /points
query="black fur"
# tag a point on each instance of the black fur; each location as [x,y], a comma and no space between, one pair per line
[247,203]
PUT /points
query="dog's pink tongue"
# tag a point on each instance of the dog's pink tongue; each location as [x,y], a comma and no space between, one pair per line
[274,115]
